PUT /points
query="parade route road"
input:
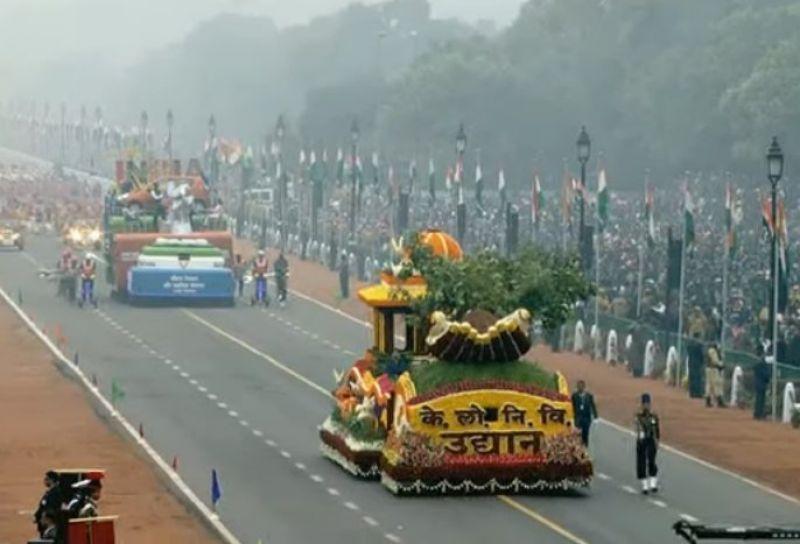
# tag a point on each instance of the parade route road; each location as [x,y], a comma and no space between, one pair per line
[242,390]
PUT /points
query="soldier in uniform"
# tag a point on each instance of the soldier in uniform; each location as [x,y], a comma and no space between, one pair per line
[714,377]
[584,409]
[648,434]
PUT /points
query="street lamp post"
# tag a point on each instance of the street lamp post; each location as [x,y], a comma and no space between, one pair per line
[774,173]
[170,123]
[280,178]
[354,136]
[461,210]
[584,145]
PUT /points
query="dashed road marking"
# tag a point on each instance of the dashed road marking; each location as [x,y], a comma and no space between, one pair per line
[286,454]
[300,466]
[212,396]
[690,519]
[317,478]
[201,389]
[193,381]
[370,521]
[269,442]
[659,503]
[257,433]
[628,489]
[533,514]
[233,413]
[244,423]
[351,506]
[603,476]
[392,538]
[222,405]
[184,374]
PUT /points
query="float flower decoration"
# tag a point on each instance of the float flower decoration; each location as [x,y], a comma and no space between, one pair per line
[457,409]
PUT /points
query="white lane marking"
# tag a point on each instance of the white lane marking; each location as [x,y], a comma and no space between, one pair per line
[222,405]
[690,519]
[317,478]
[244,423]
[711,466]
[392,538]
[176,368]
[659,503]
[184,374]
[350,353]
[628,489]
[370,521]
[603,476]
[212,396]
[257,433]
[28,257]
[315,336]
[233,413]
[201,389]
[333,491]
[167,361]
[329,308]
[300,466]
[336,347]
[270,443]
[286,454]
[274,362]
[193,381]
[351,505]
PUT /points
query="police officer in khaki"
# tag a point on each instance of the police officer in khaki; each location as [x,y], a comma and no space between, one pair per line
[714,376]
[648,434]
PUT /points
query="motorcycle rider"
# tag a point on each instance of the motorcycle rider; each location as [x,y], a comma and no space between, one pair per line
[260,265]
[281,273]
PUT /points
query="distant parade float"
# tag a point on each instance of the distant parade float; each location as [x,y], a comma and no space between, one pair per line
[456,410]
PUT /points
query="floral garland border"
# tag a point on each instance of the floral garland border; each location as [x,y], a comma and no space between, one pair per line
[492,486]
[334,455]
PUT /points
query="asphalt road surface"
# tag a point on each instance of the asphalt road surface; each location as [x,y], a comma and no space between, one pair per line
[242,390]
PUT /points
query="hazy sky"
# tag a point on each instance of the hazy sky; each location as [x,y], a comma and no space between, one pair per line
[131,26]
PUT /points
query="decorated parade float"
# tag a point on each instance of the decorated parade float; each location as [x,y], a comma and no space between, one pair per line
[175,250]
[458,409]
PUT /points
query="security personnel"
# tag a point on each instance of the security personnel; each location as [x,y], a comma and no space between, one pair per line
[714,378]
[281,272]
[585,410]
[50,503]
[260,265]
[648,434]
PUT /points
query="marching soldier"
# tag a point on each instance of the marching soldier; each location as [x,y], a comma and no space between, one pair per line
[648,434]
[584,409]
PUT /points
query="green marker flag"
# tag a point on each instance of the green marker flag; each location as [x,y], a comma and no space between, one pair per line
[117,393]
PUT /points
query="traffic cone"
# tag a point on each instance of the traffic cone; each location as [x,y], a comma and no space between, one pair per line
[141,430]
[175,463]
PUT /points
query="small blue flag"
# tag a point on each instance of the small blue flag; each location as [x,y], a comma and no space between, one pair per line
[216,489]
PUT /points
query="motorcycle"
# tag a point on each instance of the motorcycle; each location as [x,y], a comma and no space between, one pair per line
[87,291]
[260,295]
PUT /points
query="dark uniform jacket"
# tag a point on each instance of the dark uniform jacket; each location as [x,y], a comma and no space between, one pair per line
[647,426]
[584,407]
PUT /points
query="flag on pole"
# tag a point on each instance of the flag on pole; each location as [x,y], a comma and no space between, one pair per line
[783,234]
[649,214]
[339,166]
[766,214]
[479,184]
[216,488]
[117,393]
[688,217]
[375,168]
[448,178]
[567,196]
[537,201]
[432,179]
[501,186]
[602,200]
[412,175]
[732,218]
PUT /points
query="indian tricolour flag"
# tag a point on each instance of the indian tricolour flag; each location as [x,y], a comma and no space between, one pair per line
[602,200]
[688,217]
[537,200]
[649,214]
